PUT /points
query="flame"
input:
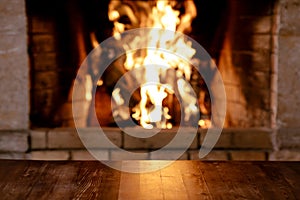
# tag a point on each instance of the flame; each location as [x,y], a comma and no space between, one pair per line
[150,111]
[117,97]
[204,123]
[120,110]
[88,86]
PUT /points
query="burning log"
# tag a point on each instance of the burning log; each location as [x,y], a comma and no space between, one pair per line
[153,104]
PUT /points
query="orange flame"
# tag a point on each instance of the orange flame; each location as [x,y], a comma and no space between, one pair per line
[150,110]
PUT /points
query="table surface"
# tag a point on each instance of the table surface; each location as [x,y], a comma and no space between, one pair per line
[180,180]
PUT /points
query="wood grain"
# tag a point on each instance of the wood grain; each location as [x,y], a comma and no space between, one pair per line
[181,180]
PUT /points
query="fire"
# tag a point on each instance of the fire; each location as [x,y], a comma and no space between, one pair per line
[204,123]
[156,87]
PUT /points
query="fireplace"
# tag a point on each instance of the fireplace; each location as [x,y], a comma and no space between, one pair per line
[57,38]
[248,42]
[61,35]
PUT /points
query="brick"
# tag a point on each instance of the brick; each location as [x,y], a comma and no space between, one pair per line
[289,137]
[237,114]
[43,109]
[224,140]
[43,43]
[41,25]
[289,47]
[261,80]
[258,101]
[92,139]
[285,155]
[213,155]
[45,62]
[14,107]
[253,8]
[261,24]
[46,80]
[288,81]
[232,92]
[289,18]
[38,138]
[13,141]
[160,140]
[241,59]
[248,155]
[50,155]
[67,112]
[258,117]
[64,138]
[12,7]
[11,42]
[14,156]
[169,155]
[241,138]
[255,42]
[43,99]
[261,42]
[120,155]
[260,61]
[12,15]
[266,97]
[254,138]
[288,115]
[86,155]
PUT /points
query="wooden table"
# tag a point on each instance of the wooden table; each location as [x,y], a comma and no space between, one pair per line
[181,180]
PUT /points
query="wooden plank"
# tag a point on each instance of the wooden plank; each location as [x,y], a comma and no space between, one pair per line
[59,180]
[96,181]
[276,180]
[55,181]
[129,182]
[193,180]
[237,181]
[47,178]
[291,173]
[151,186]
[19,179]
[293,166]
[181,180]
[9,169]
[129,186]
[172,183]
[110,184]
[217,188]
[257,178]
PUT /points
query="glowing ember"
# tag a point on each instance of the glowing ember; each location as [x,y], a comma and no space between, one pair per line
[155,63]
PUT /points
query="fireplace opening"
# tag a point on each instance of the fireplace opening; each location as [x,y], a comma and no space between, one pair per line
[59,40]
[237,35]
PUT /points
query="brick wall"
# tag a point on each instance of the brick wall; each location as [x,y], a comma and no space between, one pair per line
[64,144]
[56,50]
[14,77]
[288,117]
[246,63]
